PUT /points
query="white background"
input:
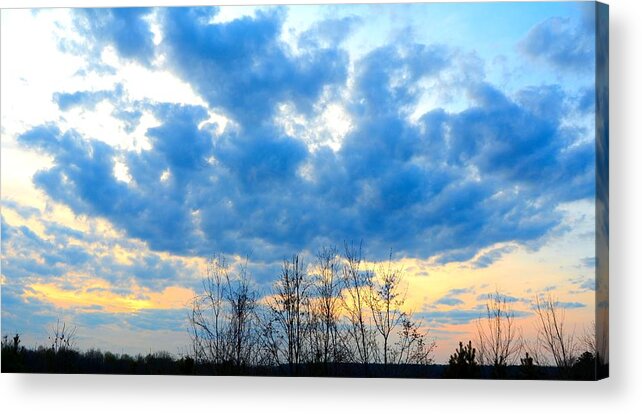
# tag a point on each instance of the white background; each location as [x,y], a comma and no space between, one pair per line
[620,393]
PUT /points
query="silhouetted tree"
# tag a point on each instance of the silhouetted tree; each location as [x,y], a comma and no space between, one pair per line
[357,286]
[270,340]
[223,318]
[553,335]
[62,337]
[498,342]
[207,318]
[585,367]
[413,346]
[13,345]
[327,306]
[242,301]
[597,348]
[12,354]
[385,300]
[289,310]
[462,363]
[527,368]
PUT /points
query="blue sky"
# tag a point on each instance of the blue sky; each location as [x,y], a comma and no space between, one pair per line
[137,142]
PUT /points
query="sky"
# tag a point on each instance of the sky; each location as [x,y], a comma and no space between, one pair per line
[136,143]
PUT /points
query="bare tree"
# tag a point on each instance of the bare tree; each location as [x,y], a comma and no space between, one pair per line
[270,340]
[327,305]
[413,346]
[356,288]
[242,301]
[344,312]
[499,344]
[62,337]
[222,319]
[386,300]
[207,318]
[552,333]
[288,308]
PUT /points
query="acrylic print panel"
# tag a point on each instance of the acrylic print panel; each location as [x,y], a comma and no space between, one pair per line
[390,190]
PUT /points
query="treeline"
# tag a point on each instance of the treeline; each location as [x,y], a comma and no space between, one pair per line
[334,310]
[336,315]
[19,359]
[340,310]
